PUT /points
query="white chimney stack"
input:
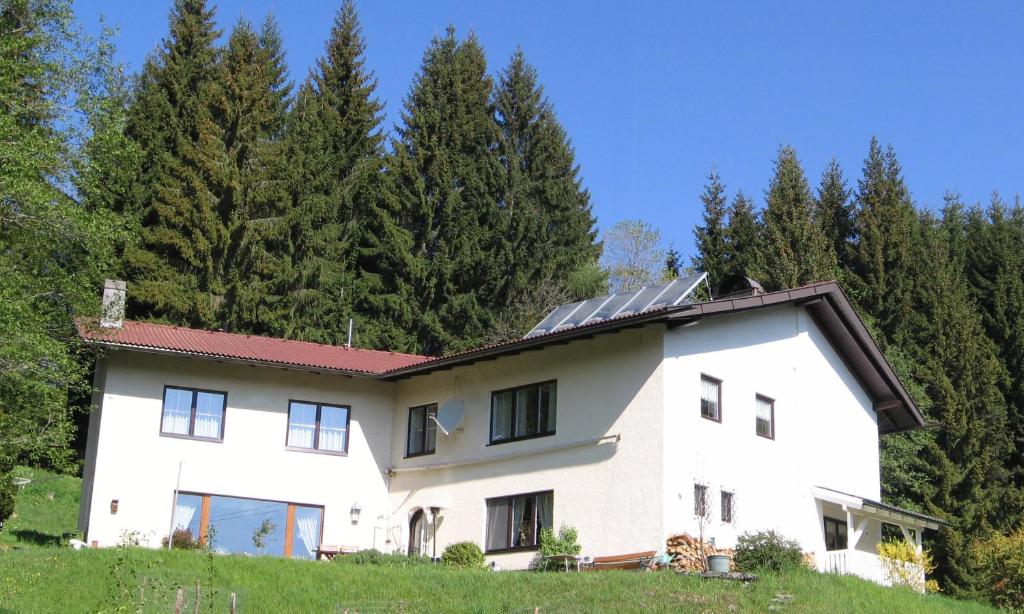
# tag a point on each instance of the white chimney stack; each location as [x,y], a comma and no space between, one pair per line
[112,315]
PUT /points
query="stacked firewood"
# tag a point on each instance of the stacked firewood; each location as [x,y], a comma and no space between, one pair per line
[687,552]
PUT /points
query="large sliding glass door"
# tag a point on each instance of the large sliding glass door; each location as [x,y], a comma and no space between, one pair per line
[256,527]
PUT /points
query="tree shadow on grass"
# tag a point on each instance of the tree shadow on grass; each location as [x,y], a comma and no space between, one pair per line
[35,537]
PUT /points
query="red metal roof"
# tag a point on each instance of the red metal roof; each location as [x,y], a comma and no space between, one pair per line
[248,348]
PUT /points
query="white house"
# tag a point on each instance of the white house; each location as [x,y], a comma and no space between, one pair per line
[622,416]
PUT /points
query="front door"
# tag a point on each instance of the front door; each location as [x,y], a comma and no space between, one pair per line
[417,527]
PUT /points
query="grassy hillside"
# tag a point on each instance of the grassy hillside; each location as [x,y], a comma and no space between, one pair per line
[46,509]
[37,576]
[106,580]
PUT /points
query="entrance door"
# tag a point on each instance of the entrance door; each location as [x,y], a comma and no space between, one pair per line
[417,528]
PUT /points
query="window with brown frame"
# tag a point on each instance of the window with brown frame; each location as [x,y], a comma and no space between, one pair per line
[514,523]
[728,506]
[193,413]
[765,416]
[318,427]
[247,526]
[523,413]
[711,398]
[835,534]
[422,433]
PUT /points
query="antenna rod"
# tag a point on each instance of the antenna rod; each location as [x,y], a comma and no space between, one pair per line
[349,344]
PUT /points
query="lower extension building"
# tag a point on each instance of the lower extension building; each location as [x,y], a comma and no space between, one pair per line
[631,417]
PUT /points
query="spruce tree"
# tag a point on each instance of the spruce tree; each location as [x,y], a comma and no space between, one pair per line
[995,270]
[335,147]
[710,238]
[253,110]
[966,463]
[793,250]
[446,177]
[884,217]
[743,239]
[176,271]
[833,213]
[546,229]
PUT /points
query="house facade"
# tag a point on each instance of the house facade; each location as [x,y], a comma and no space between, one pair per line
[749,412]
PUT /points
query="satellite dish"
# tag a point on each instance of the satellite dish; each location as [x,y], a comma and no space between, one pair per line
[450,416]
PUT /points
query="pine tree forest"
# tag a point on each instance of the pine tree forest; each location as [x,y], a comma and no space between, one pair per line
[230,197]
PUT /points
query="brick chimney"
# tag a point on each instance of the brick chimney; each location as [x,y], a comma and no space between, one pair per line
[112,315]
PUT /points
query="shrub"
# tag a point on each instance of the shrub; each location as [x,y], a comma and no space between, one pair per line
[182,539]
[465,555]
[766,551]
[550,545]
[1000,561]
[901,561]
[376,557]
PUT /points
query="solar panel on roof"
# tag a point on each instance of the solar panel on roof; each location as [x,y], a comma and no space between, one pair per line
[554,319]
[570,316]
[584,313]
[678,291]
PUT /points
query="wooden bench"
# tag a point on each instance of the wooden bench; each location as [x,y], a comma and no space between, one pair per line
[636,560]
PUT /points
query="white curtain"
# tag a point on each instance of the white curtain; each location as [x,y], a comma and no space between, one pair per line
[332,439]
[709,394]
[175,422]
[309,532]
[301,435]
[183,514]
[207,426]
[497,524]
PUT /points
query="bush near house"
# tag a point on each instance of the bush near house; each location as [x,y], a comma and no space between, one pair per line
[464,555]
[900,561]
[564,543]
[376,557]
[766,551]
[1000,561]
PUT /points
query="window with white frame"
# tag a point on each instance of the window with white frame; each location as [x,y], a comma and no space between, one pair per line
[765,411]
[711,398]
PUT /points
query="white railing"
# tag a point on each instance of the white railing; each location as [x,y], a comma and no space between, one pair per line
[865,565]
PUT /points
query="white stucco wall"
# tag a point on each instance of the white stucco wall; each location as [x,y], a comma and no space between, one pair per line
[607,385]
[137,466]
[826,431]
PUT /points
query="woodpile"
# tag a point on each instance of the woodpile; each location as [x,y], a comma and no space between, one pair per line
[686,552]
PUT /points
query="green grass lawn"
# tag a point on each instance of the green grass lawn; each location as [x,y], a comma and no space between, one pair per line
[46,509]
[37,576]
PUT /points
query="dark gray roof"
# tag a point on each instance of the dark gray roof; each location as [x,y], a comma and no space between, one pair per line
[891,508]
[826,302]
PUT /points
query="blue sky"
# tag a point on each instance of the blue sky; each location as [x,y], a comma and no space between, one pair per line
[655,94]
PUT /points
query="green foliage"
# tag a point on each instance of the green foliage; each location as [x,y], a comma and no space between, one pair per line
[793,250]
[743,239]
[1000,562]
[901,561]
[376,557]
[55,246]
[711,238]
[182,539]
[464,555]
[766,551]
[565,542]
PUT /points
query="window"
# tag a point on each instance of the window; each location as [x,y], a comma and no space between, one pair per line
[514,523]
[835,534]
[765,409]
[313,426]
[711,398]
[248,526]
[701,505]
[422,430]
[193,413]
[728,506]
[522,413]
